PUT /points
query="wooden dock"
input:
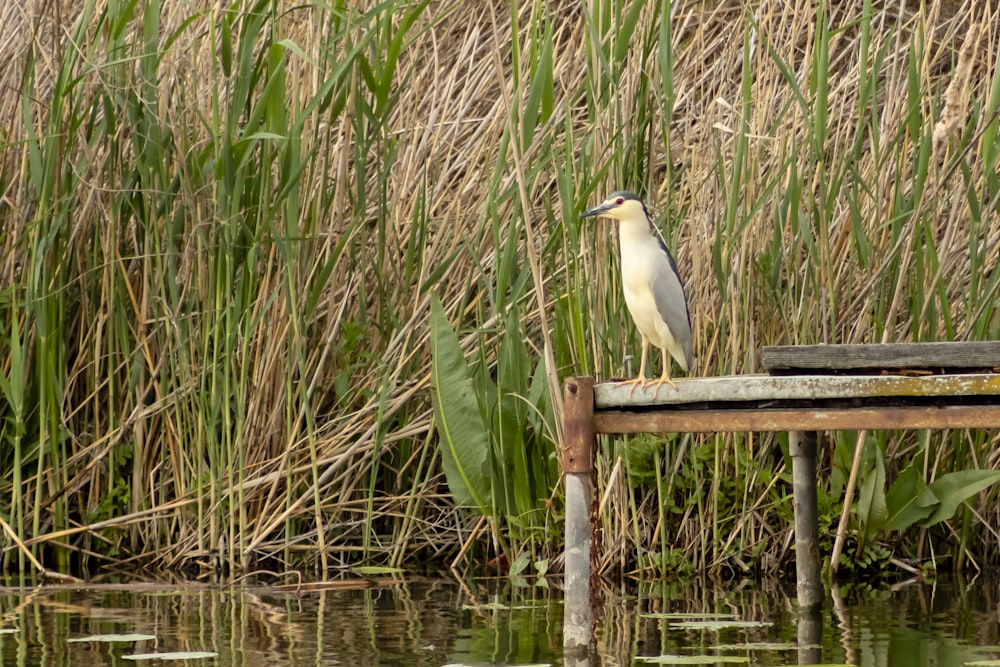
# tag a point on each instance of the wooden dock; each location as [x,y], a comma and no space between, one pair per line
[810,388]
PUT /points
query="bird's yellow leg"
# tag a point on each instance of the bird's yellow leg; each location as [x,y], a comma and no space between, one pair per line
[642,359]
[641,380]
[665,375]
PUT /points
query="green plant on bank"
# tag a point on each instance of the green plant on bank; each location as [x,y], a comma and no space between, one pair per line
[884,510]
[242,250]
[492,432]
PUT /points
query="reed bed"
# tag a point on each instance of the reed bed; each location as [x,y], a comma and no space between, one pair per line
[225,231]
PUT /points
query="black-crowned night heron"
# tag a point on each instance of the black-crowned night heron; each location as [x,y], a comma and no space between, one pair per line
[653,290]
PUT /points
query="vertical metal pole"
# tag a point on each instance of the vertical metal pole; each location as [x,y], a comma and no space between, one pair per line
[809,586]
[810,636]
[578,465]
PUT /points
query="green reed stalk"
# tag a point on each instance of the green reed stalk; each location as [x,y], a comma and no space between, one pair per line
[230,225]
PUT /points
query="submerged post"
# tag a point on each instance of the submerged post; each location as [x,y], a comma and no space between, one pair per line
[809,586]
[578,466]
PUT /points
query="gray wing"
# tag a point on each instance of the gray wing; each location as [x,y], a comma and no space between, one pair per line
[672,304]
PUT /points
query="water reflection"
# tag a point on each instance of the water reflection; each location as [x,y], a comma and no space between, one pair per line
[442,622]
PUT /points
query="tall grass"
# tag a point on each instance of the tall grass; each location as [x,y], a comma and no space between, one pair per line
[222,232]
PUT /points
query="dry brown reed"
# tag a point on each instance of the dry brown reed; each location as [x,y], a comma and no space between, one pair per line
[841,262]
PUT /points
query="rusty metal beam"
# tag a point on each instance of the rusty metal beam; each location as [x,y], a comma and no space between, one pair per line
[801,419]
[578,425]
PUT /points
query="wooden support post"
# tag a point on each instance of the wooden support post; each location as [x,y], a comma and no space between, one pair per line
[809,586]
[578,466]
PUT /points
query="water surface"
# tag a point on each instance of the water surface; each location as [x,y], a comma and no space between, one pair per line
[495,622]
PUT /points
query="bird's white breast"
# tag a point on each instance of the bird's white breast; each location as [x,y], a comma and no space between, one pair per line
[640,257]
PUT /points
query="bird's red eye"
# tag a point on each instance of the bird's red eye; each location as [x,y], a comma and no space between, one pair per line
[620,201]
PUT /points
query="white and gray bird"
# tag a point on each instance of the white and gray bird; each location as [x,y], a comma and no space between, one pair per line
[653,289]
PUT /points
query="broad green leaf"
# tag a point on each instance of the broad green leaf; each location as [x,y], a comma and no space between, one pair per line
[13,387]
[540,416]
[872,510]
[539,103]
[843,456]
[953,488]
[909,500]
[624,32]
[520,563]
[297,50]
[510,420]
[462,434]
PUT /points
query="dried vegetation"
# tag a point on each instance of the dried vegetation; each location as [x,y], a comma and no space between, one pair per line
[221,230]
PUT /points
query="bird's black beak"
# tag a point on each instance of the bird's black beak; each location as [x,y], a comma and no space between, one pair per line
[597,210]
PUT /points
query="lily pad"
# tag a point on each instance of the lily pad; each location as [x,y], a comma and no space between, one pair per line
[488,606]
[375,570]
[688,617]
[764,646]
[694,659]
[719,625]
[133,637]
[176,655]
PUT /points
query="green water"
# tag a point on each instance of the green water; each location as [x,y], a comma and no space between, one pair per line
[447,622]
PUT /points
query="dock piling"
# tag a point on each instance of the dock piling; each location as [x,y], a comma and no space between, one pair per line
[578,466]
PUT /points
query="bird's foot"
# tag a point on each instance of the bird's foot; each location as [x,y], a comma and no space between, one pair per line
[635,382]
[659,385]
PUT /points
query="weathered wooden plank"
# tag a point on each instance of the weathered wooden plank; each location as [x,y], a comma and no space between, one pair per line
[979,355]
[834,419]
[794,387]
